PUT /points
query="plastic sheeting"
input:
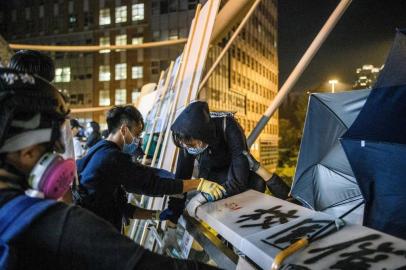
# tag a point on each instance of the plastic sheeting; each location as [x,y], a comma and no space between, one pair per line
[324,180]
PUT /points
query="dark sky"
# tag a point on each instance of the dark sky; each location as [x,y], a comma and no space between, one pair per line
[363,36]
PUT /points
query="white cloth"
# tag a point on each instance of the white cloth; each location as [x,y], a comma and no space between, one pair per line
[194,203]
[77,146]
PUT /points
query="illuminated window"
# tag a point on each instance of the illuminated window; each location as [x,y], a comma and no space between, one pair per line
[137,40]
[104,16]
[138,12]
[134,95]
[137,72]
[62,74]
[173,34]
[104,98]
[104,73]
[121,96]
[121,14]
[104,41]
[121,71]
[121,40]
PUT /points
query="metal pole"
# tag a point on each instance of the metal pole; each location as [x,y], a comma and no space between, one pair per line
[229,43]
[95,48]
[299,69]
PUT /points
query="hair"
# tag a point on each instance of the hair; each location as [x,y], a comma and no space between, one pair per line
[95,126]
[33,62]
[119,115]
[178,138]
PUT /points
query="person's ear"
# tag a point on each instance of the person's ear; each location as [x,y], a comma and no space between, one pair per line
[123,130]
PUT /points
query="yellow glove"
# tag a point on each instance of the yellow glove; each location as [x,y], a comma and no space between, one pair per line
[213,189]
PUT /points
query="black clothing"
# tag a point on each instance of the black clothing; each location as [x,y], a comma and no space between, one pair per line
[223,160]
[106,169]
[68,237]
[93,138]
[195,121]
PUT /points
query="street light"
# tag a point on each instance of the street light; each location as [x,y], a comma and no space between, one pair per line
[333,83]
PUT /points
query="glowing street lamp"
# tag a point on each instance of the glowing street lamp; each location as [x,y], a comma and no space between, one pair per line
[333,83]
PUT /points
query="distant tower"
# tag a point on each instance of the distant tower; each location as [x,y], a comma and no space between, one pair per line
[366,76]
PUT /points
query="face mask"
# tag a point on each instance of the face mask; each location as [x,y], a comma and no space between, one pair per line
[131,148]
[54,173]
[196,150]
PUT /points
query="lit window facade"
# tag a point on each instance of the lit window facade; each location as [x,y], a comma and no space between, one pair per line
[104,73]
[104,98]
[62,74]
[120,97]
[137,72]
[121,71]
[104,41]
[138,12]
[121,40]
[104,17]
[121,14]
[137,40]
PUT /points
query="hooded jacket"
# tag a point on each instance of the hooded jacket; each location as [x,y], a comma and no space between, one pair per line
[222,161]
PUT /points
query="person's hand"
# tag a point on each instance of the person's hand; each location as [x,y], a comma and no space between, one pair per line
[213,189]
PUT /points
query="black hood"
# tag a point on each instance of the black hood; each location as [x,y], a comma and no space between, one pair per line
[195,121]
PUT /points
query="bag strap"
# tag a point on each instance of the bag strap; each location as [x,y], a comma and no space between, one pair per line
[19,213]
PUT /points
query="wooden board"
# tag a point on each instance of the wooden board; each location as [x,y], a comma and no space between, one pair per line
[194,64]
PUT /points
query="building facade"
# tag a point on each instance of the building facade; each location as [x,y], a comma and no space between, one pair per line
[245,82]
[366,76]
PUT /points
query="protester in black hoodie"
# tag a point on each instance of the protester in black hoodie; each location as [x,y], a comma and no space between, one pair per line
[217,142]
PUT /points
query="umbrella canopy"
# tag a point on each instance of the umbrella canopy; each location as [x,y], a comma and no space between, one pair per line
[324,180]
[376,146]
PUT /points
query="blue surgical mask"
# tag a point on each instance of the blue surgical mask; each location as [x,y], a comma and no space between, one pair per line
[196,150]
[131,148]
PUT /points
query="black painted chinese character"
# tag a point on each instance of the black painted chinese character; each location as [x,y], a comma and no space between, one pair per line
[362,258]
[274,216]
[294,233]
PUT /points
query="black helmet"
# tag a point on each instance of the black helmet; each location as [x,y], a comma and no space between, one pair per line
[31,110]
[33,62]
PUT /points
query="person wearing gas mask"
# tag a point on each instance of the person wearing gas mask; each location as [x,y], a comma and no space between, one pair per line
[107,170]
[36,231]
[217,142]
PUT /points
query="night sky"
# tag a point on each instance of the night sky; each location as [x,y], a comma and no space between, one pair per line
[363,36]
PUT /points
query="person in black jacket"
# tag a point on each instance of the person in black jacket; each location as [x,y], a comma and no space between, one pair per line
[107,170]
[93,133]
[32,117]
[217,141]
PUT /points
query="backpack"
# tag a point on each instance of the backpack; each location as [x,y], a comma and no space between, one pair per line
[15,217]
